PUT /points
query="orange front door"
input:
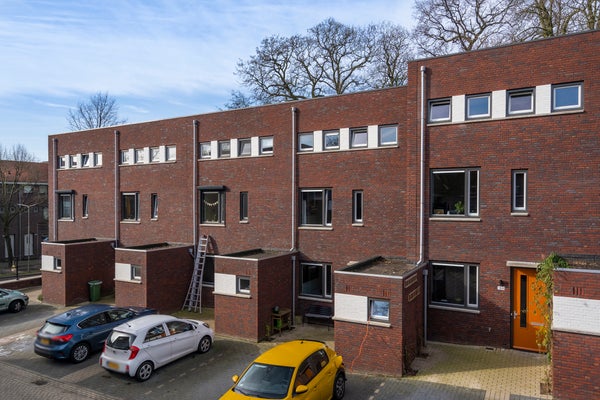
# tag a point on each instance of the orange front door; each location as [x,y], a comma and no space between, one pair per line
[526,316]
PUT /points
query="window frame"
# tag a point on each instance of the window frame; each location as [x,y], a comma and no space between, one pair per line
[65,213]
[135,272]
[470,202]
[97,159]
[373,315]
[85,160]
[220,203]
[242,284]
[380,135]
[57,264]
[242,143]
[243,206]
[263,146]
[326,207]
[85,206]
[154,206]
[154,154]
[135,215]
[171,153]
[357,206]
[356,134]
[139,156]
[331,134]
[306,135]
[488,112]
[325,275]
[556,88]
[437,104]
[519,93]
[224,147]
[467,302]
[519,192]
[205,150]
[125,157]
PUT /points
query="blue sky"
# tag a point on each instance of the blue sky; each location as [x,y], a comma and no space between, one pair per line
[158,58]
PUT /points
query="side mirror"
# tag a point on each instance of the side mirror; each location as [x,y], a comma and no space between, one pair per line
[235,378]
[301,389]
[338,361]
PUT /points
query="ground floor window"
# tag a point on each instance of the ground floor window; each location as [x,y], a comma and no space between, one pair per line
[455,285]
[316,280]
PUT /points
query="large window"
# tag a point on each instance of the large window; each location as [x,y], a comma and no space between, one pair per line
[520,101]
[455,192]
[316,207]
[65,206]
[212,207]
[439,110]
[566,97]
[455,285]
[519,190]
[130,207]
[316,280]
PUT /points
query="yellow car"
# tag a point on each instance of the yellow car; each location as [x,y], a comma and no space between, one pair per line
[300,369]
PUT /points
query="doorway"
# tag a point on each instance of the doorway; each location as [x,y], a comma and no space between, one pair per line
[526,316]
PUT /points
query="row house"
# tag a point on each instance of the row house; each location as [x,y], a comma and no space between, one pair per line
[406,214]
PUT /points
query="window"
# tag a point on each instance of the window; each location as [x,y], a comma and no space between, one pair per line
[224,149]
[205,150]
[171,153]
[57,264]
[243,206]
[478,106]
[97,159]
[243,285]
[61,162]
[439,110]
[130,205]
[388,135]
[74,161]
[316,280]
[139,156]
[358,137]
[379,310]
[331,140]
[136,272]
[316,207]
[85,160]
[520,101]
[455,192]
[84,206]
[212,207]
[455,285]
[357,206]
[244,147]
[65,206]
[266,145]
[306,142]
[154,154]
[124,156]
[519,190]
[154,206]
[566,97]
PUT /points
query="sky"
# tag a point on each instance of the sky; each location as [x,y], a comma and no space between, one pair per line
[158,58]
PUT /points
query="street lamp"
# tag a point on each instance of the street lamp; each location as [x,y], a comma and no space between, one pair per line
[30,242]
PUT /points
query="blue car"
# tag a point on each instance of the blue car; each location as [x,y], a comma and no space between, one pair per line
[13,300]
[75,334]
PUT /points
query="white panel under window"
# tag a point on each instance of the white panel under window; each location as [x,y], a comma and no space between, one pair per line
[225,284]
[351,307]
[499,104]
[122,272]
[233,152]
[576,315]
[373,136]
[344,138]
[318,141]
[47,263]
[254,146]
[458,108]
[543,99]
[214,149]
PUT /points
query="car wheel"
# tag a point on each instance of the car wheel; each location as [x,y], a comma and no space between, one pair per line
[144,371]
[80,352]
[16,306]
[204,344]
[339,387]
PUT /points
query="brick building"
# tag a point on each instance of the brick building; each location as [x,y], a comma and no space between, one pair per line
[459,184]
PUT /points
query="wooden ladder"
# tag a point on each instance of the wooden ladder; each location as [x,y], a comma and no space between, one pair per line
[193,300]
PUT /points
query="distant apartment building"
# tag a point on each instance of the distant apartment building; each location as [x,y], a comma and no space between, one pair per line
[405,214]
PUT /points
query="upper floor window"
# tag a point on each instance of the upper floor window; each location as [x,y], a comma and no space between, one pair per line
[266,145]
[212,207]
[316,207]
[358,137]
[478,106]
[331,140]
[97,159]
[171,153]
[244,147]
[357,206]
[61,162]
[388,135]
[306,141]
[154,154]
[154,206]
[224,149]
[139,156]
[84,206]
[455,192]
[65,205]
[125,157]
[243,206]
[439,110]
[74,161]
[566,97]
[520,101]
[455,285]
[519,190]
[85,160]
[205,150]
[130,207]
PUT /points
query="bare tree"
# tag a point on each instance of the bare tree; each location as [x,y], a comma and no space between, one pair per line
[588,17]
[547,18]
[447,26]
[391,57]
[18,170]
[101,110]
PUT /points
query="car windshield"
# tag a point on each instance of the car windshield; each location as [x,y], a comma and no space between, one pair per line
[120,340]
[265,381]
[53,329]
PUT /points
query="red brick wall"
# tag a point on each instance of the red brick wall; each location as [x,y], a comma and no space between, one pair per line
[168,276]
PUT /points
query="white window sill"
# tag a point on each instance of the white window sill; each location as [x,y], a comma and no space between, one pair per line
[519,214]
[239,295]
[370,323]
[457,309]
[454,219]
[315,228]
[136,281]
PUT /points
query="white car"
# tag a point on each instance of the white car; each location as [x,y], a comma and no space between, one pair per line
[141,345]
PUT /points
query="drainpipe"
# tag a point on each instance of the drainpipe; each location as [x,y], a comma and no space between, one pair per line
[293,290]
[117,186]
[422,205]
[195,184]
[294,110]
[54,160]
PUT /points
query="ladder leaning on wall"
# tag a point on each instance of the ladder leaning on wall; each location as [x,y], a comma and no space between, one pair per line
[193,300]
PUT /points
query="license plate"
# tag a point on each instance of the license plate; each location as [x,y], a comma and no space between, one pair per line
[45,342]
[112,365]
